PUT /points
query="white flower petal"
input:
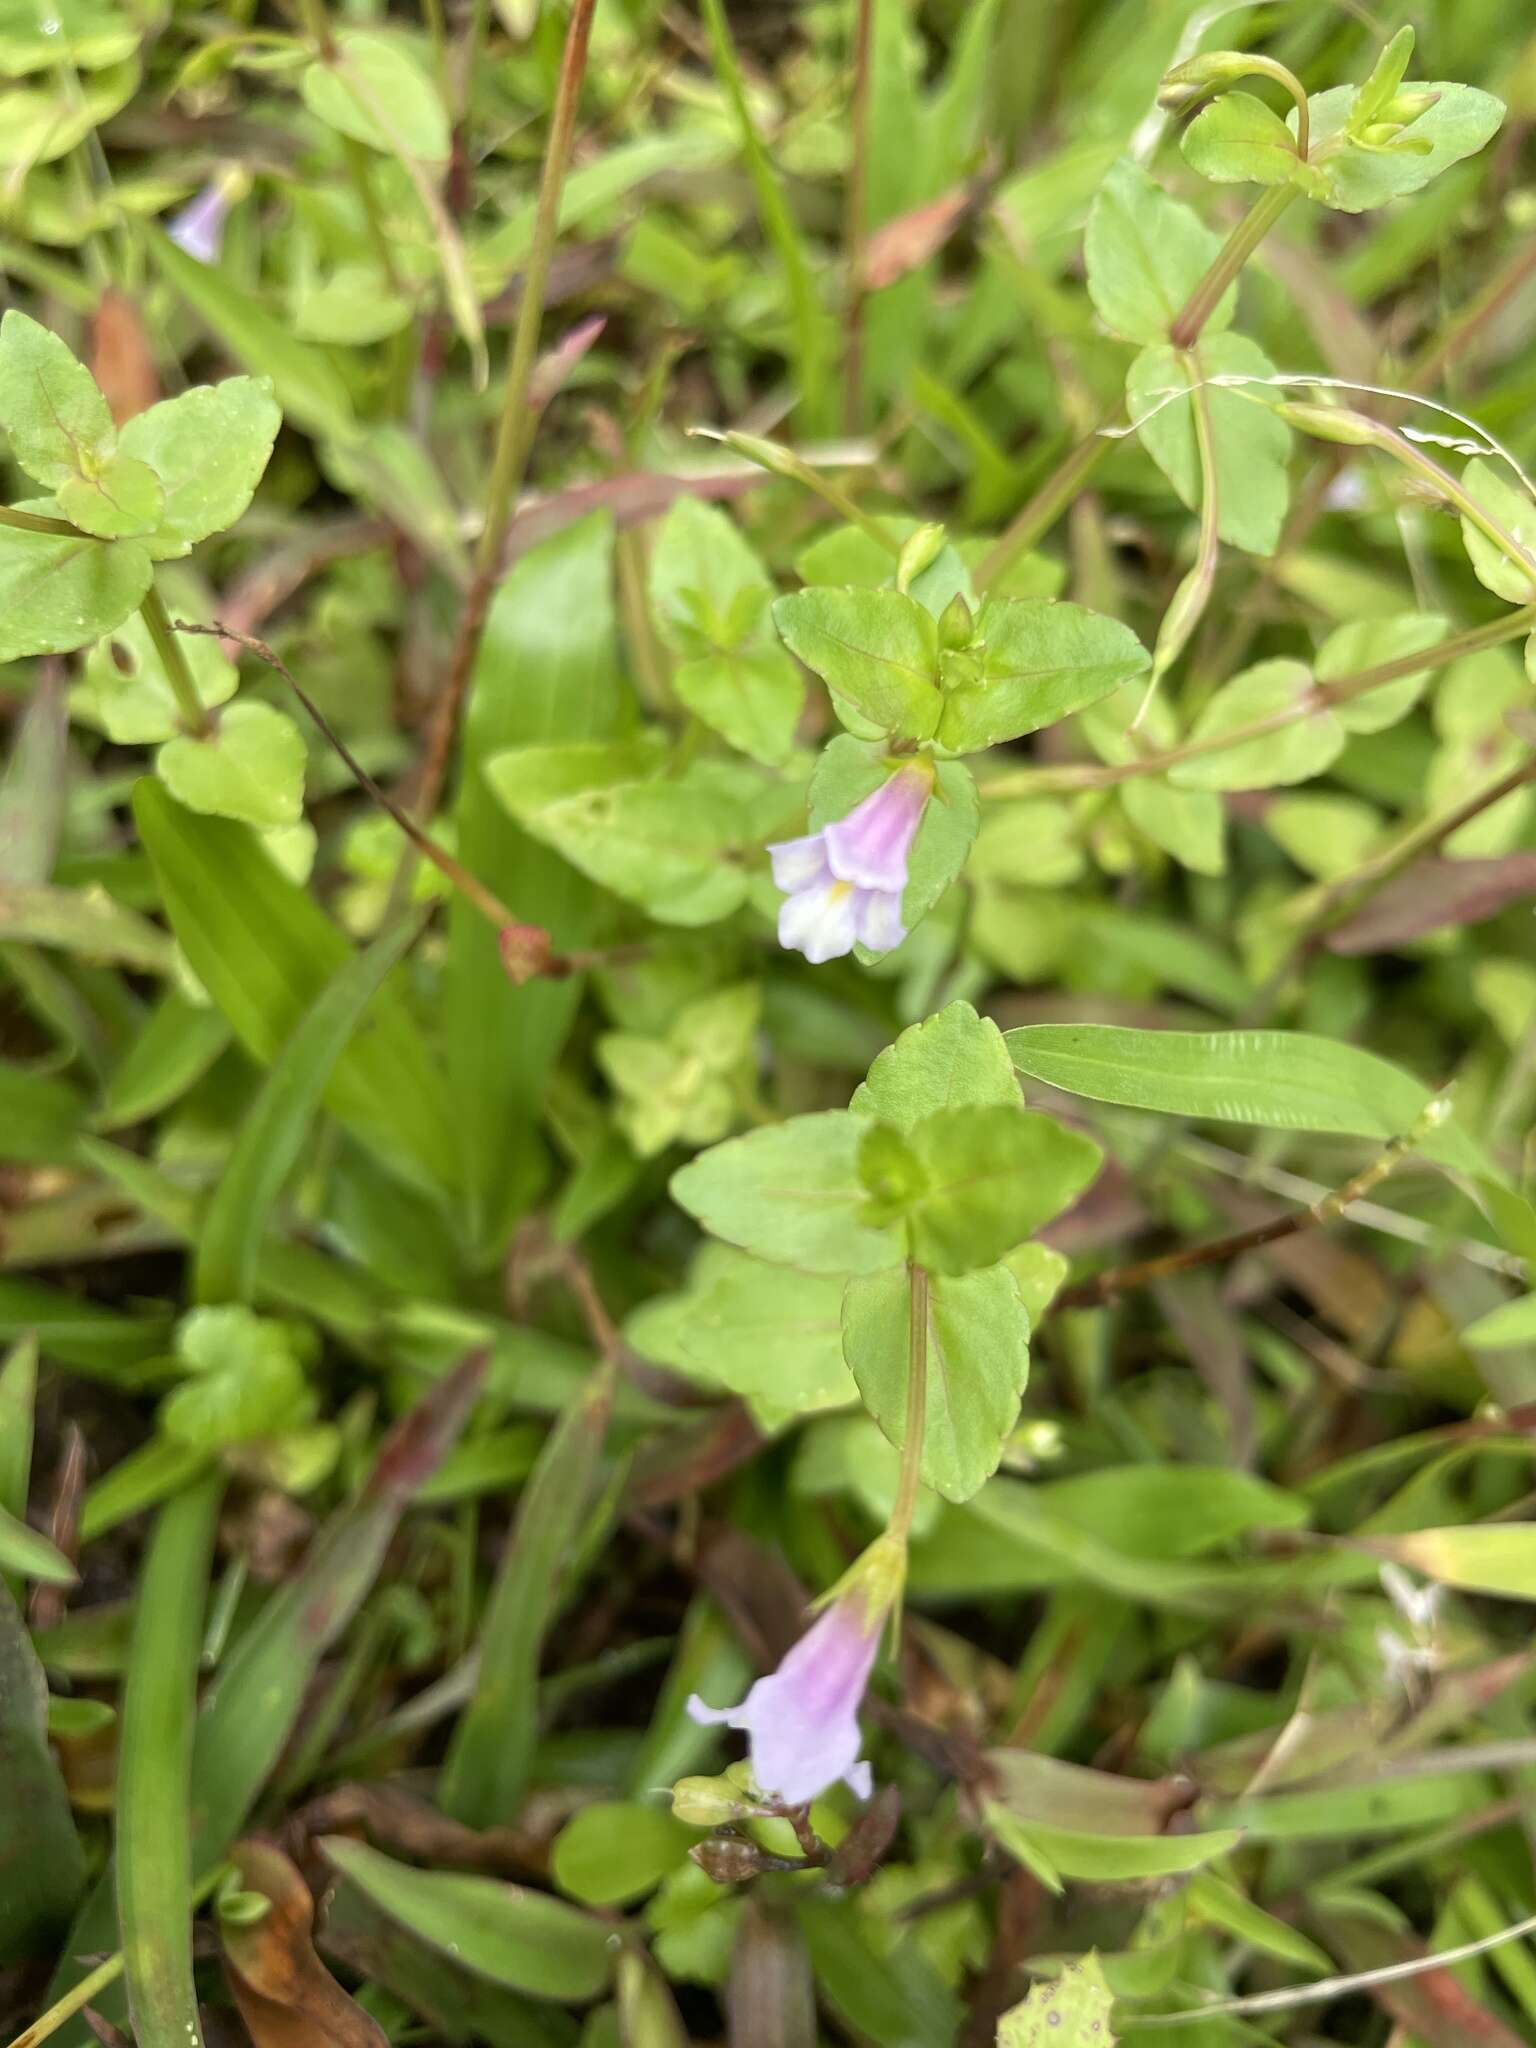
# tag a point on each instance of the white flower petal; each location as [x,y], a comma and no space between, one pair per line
[877,919]
[818,922]
[800,863]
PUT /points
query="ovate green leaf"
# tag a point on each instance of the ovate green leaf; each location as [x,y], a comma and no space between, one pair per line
[118,498]
[1145,254]
[991,1178]
[1069,2011]
[1251,443]
[791,1193]
[127,693]
[1295,749]
[771,1336]
[1042,661]
[877,651]
[1515,511]
[978,1363]
[952,1058]
[209,447]
[59,591]
[250,767]
[1461,120]
[374,88]
[1238,140]
[52,413]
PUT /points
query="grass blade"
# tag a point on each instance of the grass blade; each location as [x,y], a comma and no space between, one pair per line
[18,1400]
[252,1707]
[154,1862]
[273,1135]
[488,1760]
[42,1868]
[27,1553]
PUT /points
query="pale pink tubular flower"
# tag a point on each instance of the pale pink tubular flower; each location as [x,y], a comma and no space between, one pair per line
[802,1721]
[199,227]
[843,885]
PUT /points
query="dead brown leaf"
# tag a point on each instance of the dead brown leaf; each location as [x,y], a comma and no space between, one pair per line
[122,361]
[904,244]
[286,1995]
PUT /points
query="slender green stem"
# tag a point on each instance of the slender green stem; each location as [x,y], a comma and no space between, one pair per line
[1451,488]
[1238,247]
[194,714]
[518,417]
[38,522]
[917,1405]
[1047,505]
[1194,591]
[317,25]
[49,2023]
[437,30]
[1062,486]
[782,461]
[1340,690]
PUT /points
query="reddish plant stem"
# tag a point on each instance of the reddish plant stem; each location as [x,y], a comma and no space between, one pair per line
[518,418]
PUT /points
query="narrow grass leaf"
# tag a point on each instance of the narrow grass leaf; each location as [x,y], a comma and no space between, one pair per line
[516,1937]
[153,1836]
[273,1135]
[42,1866]
[491,1752]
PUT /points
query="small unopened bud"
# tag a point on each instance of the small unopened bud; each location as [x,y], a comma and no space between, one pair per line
[1188,81]
[710,1802]
[957,626]
[525,952]
[726,1859]
[1409,105]
[1332,423]
[767,455]
[919,551]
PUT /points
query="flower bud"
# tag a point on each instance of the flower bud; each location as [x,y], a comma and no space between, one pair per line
[919,551]
[1332,423]
[957,627]
[1408,106]
[767,455]
[726,1859]
[710,1802]
[1188,81]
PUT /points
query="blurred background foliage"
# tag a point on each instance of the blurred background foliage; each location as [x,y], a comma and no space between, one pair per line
[256,1206]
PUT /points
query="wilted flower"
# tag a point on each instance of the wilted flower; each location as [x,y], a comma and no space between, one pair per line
[843,885]
[802,1721]
[199,227]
